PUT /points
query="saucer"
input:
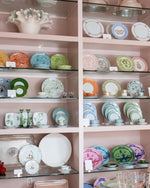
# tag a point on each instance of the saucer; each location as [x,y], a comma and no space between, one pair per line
[144,123]
[66,171]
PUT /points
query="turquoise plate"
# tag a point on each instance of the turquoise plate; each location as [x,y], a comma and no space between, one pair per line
[110,109]
[60,111]
[62,117]
[109,104]
[105,152]
[40,59]
[122,153]
[116,116]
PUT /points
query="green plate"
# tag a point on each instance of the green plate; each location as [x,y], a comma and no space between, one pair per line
[111,86]
[20,90]
[122,153]
[19,81]
[58,59]
[133,108]
[125,63]
[128,105]
[135,116]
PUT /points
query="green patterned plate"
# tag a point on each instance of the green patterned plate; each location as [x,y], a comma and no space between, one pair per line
[128,105]
[111,86]
[135,116]
[133,108]
[125,63]
[122,153]
[58,59]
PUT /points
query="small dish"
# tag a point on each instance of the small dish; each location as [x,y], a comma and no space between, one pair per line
[128,165]
[32,167]
[111,166]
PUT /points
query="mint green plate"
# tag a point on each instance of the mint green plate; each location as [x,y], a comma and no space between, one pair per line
[128,105]
[58,59]
[133,108]
[122,153]
[125,63]
[135,116]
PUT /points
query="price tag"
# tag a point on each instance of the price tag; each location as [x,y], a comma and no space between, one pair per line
[88,165]
[10,64]
[113,68]
[11,93]
[86,123]
[18,172]
[106,36]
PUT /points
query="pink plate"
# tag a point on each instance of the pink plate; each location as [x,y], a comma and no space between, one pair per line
[99,181]
[140,64]
[21,59]
[94,155]
[90,62]
[139,151]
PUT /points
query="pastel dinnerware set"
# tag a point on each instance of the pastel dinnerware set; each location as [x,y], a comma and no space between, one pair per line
[39,60]
[123,62]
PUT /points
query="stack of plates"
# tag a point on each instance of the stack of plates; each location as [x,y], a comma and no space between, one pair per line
[111,111]
[90,112]
[133,111]
[135,88]
[61,116]
[53,88]
[20,85]
[40,60]
[4,86]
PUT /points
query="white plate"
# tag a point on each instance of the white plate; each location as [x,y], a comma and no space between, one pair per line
[53,87]
[39,118]
[56,150]
[32,167]
[141,31]
[93,27]
[12,120]
[103,63]
[29,152]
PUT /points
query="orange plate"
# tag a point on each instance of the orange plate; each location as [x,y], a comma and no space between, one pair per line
[95,90]
[3,58]
[21,59]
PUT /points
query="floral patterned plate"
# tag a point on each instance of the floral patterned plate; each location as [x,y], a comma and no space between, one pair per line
[4,86]
[90,62]
[99,181]
[140,64]
[53,87]
[125,63]
[103,63]
[119,31]
[94,155]
[39,118]
[29,152]
[32,167]
[139,151]
[128,105]
[12,120]
[134,88]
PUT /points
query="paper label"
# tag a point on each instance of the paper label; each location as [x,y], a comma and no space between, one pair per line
[113,68]
[86,122]
[88,165]
[11,93]
[17,172]
[10,64]
[106,36]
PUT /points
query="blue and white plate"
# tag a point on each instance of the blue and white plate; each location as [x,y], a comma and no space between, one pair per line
[105,152]
[40,60]
[88,185]
[90,107]
[111,109]
[4,86]
[119,31]
[113,116]
[89,115]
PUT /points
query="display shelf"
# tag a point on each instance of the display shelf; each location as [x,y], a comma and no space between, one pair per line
[116,98]
[112,128]
[43,171]
[19,131]
[120,168]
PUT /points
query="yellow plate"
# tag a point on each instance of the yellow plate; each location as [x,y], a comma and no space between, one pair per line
[3,58]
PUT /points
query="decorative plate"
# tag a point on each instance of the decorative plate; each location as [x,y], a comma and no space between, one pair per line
[113,116]
[128,105]
[90,62]
[141,31]
[61,119]
[139,151]
[103,63]
[90,87]
[21,59]
[40,60]
[4,86]
[109,104]
[56,149]
[89,115]
[111,109]
[133,108]
[29,152]
[105,152]
[53,87]
[12,120]
[20,90]
[39,118]
[32,167]
[93,27]
[99,181]
[94,155]
[140,64]
[58,111]
[125,63]
[122,153]
[111,86]
[135,116]
[58,59]
[19,81]
[3,58]
[88,185]
[119,31]
[134,88]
